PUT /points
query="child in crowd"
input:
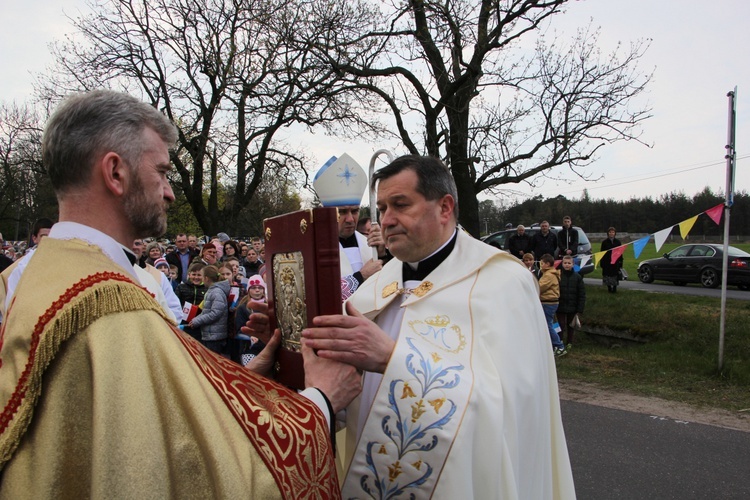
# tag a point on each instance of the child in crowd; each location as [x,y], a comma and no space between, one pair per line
[249,347]
[238,279]
[173,277]
[528,261]
[162,265]
[213,319]
[236,293]
[572,300]
[549,294]
[193,291]
[256,288]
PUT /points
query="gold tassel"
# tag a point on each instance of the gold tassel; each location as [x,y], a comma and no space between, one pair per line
[97,301]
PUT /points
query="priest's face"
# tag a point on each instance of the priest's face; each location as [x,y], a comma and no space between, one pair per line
[348,217]
[413,226]
[149,194]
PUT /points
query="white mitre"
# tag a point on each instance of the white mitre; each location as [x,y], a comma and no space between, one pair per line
[340,182]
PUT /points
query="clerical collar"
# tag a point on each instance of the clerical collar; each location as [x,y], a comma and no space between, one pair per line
[130,255]
[420,270]
[349,242]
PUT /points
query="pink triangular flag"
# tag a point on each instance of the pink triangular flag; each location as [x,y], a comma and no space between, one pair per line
[617,253]
[715,213]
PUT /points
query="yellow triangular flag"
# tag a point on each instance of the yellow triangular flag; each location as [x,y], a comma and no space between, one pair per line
[686,226]
[597,257]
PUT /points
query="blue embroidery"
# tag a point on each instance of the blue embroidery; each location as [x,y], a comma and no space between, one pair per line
[408,436]
[347,174]
[437,334]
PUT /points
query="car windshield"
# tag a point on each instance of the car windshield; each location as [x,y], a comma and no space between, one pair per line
[736,252]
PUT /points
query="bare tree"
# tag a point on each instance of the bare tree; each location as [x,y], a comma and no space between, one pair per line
[458,85]
[222,72]
[25,192]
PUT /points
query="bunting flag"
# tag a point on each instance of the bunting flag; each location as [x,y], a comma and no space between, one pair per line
[557,263]
[686,226]
[597,257]
[617,253]
[715,213]
[661,236]
[639,245]
[584,260]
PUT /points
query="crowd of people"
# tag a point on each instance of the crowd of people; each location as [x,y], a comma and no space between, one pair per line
[561,291]
[216,282]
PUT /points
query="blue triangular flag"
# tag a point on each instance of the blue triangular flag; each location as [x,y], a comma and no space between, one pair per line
[639,245]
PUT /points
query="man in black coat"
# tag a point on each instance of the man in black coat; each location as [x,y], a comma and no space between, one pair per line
[567,238]
[519,243]
[544,241]
[181,257]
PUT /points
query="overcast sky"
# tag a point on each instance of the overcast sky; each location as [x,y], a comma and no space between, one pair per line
[697,54]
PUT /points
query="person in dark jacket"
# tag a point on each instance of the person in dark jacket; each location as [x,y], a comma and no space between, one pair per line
[252,263]
[567,238]
[610,270]
[519,243]
[544,242]
[572,301]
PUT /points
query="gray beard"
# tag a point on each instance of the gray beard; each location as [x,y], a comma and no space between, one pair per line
[146,219]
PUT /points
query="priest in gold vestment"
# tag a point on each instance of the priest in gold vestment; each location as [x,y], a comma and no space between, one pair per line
[102,397]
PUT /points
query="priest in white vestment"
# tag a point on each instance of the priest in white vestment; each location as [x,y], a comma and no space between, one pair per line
[460,394]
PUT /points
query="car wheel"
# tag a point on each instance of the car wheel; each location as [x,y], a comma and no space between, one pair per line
[709,278]
[679,283]
[646,274]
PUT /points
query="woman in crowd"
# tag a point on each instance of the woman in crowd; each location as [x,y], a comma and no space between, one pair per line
[611,271]
[153,252]
[231,249]
[209,255]
[252,263]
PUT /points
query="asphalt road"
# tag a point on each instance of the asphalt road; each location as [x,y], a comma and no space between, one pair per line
[666,287]
[617,454]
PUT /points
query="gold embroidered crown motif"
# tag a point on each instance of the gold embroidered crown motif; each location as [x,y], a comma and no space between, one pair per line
[438,321]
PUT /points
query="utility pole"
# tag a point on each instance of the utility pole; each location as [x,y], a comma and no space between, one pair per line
[731,158]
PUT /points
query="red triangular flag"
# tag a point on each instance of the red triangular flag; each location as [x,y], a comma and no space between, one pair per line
[557,263]
[617,253]
[715,213]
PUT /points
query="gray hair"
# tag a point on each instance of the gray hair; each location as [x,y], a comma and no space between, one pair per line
[434,180]
[94,123]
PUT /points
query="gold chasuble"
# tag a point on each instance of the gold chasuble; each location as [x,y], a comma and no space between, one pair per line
[103,398]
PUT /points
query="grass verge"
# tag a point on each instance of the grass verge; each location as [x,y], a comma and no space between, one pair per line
[678,361]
